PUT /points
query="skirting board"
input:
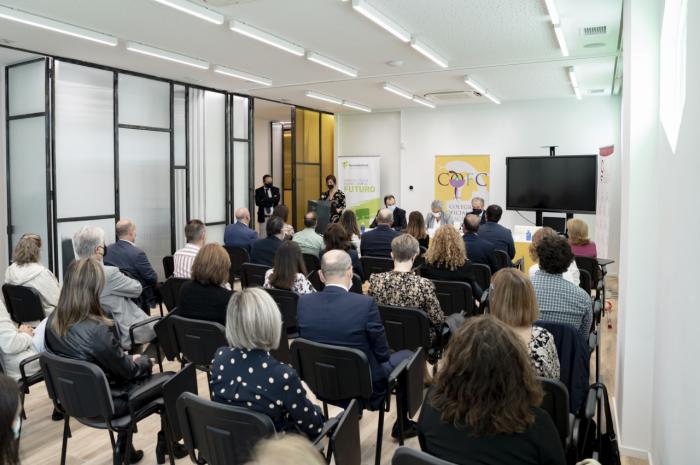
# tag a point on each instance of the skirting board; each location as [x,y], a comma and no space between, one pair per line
[624,450]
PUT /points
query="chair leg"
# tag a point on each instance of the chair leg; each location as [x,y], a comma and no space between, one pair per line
[325,410]
[66,433]
[380,435]
[159,356]
[165,428]
[126,457]
[399,415]
[21,402]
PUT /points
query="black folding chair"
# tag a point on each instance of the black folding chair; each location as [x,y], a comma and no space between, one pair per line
[184,381]
[409,396]
[315,280]
[454,297]
[170,291]
[238,256]
[282,353]
[168,266]
[594,270]
[502,259]
[356,284]
[287,302]
[405,328]
[371,265]
[198,340]
[344,443]
[312,262]
[23,303]
[556,403]
[253,275]
[482,274]
[585,281]
[409,456]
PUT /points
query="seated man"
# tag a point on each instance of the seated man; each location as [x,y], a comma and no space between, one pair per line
[118,291]
[478,209]
[196,235]
[400,222]
[338,317]
[560,301]
[500,236]
[377,242]
[264,250]
[239,233]
[310,242]
[479,250]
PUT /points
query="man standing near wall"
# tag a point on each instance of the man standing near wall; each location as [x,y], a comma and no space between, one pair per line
[267,197]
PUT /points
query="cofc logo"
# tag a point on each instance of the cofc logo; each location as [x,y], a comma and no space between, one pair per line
[457,180]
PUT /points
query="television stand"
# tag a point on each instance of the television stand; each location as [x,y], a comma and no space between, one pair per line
[555,222]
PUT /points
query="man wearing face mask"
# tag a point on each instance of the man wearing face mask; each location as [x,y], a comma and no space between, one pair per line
[436,217]
[267,197]
[478,209]
[399,214]
[336,197]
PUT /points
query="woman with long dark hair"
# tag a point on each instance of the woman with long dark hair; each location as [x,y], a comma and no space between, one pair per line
[337,238]
[10,421]
[349,221]
[416,228]
[288,271]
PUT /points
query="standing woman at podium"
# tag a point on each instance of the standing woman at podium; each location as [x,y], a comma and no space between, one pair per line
[336,197]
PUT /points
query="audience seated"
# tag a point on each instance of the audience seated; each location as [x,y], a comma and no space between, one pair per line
[289,270]
[308,239]
[478,204]
[478,249]
[196,235]
[377,242]
[282,211]
[263,250]
[246,375]
[512,300]
[26,270]
[581,245]
[239,234]
[289,449]
[572,274]
[337,238]
[10,421]
[348,220]
[436,217]
[483,407]
[399,214]
[206,296]
[15,345]
[498,235]
[118,291]
[416,228]
[446,260]
[559,300]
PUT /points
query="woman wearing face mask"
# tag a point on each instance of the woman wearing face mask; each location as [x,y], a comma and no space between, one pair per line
[436,217]
[336,197]
[10,421]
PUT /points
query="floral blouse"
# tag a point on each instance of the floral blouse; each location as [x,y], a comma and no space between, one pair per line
[406,290]
[337,204]
[301,284]
[543,353]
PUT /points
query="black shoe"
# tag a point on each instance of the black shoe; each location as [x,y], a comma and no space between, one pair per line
[410,429]
[179,450]
[56,415]
[135,456]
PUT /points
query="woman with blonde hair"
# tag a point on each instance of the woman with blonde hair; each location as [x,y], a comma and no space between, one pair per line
[579,241]
[446,259]
[572,274]
[512,300]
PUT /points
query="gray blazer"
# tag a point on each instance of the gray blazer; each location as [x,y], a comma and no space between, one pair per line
[445,218]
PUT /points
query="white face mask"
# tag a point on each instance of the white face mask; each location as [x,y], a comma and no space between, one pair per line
[391,208]
[436,215]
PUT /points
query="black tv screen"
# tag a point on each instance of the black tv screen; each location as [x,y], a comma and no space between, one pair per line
[553,184]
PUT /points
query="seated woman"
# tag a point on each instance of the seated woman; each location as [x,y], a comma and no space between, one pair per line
[573,275]
[349,221]
[436,217]
[446,259]
[416,228]
[282,211]
[27,271]
[205,297]
[289,270]
[246,375]
[483,406]
[15,345]
[512,300]
[580,244]
[337,238]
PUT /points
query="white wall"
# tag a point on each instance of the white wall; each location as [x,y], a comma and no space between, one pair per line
[3,190]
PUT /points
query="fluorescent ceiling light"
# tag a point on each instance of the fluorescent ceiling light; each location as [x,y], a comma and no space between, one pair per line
[423,101]
[552,11]
[562,42]
[357,106]
[492,98]
[242,75]
[332,64]
[266,37]
[378,18]
[165,55]
[577,92]
[474,85]
[572,77]
[428,52]
[324,97]
[398,91]
[195,10]
[57,26]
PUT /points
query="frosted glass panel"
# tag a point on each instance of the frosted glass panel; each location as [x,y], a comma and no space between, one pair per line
[144,190]
[179,124]
[240,175]
[27,88]
[216,233]
[144,102]
[214,157]
[68,230]
[180,208]
[240,117]
[84,118]
[27,179]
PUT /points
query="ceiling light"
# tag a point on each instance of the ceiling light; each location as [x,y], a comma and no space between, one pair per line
[332,64]
[357,106]
[562,42]
[474,85]
[324,97]
[398,91]
[428,52]
[265,37]
[242,75]
[492,98]
[165,55]
[574,81]
[423,101]
[378,18]
[577,92]
[56,26]
[195,10]
[552,11]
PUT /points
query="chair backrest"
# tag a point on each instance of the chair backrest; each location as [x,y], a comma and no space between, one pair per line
[184,381]
[585,281]
[482,274]
[405,328]
[356,284]
[253,275]
[502,259]
[238,256]
[170,291]
[282,353]
[419,261]
[345,440]
[413,382]
[454,297]
[166,336]
[589,264]
[332,372]
[168,265]
[315,280]
[23,303]
[198,340]
[222,434]
[287,302]
[408,456]
[371,265]
[78,388]
[312,262]
[556,403]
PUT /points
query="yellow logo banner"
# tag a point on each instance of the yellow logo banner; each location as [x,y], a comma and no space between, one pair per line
[458,179]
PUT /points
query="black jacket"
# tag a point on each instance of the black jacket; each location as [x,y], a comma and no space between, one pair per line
[264,250]
[203,302]
[377,242]
[262,200]
[399,220]
[480,250]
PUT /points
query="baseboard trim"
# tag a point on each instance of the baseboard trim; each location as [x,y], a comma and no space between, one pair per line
[624,450]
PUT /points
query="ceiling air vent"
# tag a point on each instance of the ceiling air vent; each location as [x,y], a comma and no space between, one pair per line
[450,95]
[594,31]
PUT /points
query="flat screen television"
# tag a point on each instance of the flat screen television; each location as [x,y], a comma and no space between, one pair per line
[552,184]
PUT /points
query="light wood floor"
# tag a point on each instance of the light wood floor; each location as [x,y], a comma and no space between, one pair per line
[41,438]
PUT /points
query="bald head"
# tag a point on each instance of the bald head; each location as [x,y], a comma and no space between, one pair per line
[242,215]
[336,267]
[472,222]
[385,217]
[125,229]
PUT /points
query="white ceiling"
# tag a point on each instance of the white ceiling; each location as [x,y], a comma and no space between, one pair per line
[508,46]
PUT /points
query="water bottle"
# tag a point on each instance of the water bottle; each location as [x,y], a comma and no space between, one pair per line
[528,236]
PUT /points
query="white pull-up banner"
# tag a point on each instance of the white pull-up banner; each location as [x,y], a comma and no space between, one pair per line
[359,178]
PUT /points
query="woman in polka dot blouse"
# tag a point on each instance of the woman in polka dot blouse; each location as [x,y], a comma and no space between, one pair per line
[246,375]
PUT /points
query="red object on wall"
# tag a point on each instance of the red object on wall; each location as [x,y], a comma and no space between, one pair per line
[606,151]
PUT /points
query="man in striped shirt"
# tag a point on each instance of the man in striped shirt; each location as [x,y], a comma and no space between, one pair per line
[196,235]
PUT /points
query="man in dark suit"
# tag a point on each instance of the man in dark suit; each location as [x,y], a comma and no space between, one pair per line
[336,316]
[264,250]
[479,250]
[399,214]
[239,233]
[267,197]
[377,242]
[500,236]
[478,209]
